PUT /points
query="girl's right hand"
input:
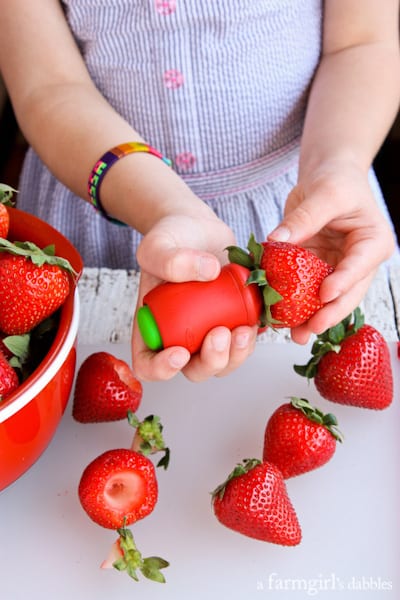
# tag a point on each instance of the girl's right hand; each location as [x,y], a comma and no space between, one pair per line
[182,248]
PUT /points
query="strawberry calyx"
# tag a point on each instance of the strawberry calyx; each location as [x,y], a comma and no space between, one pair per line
[330,341]
[241,468]
[148,437]
[328,420]
[39,256]
[131,560]
[18,346]
[252,261]
[6,194]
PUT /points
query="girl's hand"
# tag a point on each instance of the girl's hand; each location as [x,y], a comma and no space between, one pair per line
[335,215]
[181,248]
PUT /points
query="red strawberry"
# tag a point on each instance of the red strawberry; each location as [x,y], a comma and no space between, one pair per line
[254,501]
[289,277]
[6,193]
[118,488]
[299,437]
[8,378]
[351,365]
[33,285]
[125,556]
[105,389]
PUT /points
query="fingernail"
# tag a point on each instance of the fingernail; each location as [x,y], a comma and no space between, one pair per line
[242,340]
[220,341]
[280,234]
[178,359]
[208,268]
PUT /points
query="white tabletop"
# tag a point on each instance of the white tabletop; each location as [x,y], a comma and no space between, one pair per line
[348,509]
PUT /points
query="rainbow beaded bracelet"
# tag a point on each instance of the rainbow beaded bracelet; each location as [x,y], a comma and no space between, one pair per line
[105,162]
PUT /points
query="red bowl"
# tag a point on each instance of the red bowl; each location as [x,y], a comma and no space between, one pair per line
[30,416]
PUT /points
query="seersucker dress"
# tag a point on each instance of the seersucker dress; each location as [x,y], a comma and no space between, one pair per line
[218,86]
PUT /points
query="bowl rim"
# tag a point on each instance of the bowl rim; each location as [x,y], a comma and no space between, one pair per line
[53,361]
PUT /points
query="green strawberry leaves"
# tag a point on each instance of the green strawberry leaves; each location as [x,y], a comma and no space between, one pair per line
[314,414]
[242,468]
[6,194]
[148,437]
[131,560]
[330,341]
[39,256]
[252,260]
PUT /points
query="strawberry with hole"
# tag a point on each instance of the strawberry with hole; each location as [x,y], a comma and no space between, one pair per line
[6,194]
[118,488]
[9,380]
[289,277]
[253,501]
[34,283]
[351,365]
[299,437]
[105,390]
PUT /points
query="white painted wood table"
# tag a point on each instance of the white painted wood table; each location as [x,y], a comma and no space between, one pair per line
[108,298]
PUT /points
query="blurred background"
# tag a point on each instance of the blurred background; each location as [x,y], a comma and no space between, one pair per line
[387,163]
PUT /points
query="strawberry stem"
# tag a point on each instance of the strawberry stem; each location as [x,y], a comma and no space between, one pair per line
[149,438]
[131,560]
[330,341]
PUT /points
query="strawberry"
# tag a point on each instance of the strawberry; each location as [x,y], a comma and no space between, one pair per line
[33,285]
[105,389]
[9,380]
[254,502]
[350,365]
[6,193]
[118,488]
[299,437]
[124,556]
[289,277]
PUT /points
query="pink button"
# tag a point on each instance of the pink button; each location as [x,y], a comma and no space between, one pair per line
[165,7]
[173,79]
[185,161]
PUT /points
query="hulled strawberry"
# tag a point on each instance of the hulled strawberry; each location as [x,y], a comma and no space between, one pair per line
[33,285]
[299,437]
[350,365]
[254,502]
[289,277]
[9,380]
[105,390]
[124,556]
[118,488]
[6,194]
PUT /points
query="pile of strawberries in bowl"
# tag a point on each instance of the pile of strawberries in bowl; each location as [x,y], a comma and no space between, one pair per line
[39,315]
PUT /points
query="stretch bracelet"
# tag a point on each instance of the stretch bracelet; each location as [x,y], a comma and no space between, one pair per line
[105,162]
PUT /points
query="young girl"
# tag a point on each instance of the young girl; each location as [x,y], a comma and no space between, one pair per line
[271,112]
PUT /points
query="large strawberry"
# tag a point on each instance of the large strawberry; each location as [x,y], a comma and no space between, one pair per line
[33,285]
[289,277]
[105,390]
[254,501]
[6,193]
[350,365]
[299,437]
[118,488]
[9,380]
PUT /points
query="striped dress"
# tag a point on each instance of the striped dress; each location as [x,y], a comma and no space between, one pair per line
[220,87]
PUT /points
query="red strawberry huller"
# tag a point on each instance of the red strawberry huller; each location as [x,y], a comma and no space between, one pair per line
[181,314]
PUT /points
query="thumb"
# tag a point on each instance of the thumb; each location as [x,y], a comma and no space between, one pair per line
[164,258]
